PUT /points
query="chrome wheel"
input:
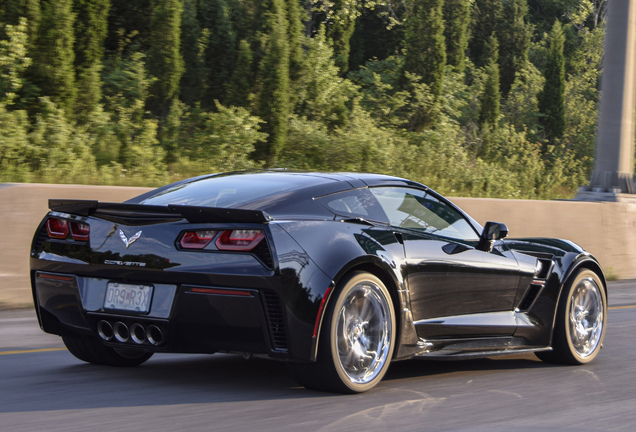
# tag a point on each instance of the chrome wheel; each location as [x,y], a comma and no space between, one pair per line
[586,317]
[581,318]
[364,331]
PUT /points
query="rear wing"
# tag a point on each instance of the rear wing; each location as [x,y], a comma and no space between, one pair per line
[193,214]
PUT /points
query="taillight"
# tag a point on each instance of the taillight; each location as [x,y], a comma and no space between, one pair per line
[60,228]
[239,240]
[80,231]
[197,239]
[57,228]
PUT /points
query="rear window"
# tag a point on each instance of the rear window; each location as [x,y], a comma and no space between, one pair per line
[229,191]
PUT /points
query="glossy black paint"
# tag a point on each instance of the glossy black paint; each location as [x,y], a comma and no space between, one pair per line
[451,298]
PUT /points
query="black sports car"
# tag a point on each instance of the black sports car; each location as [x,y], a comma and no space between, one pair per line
[337,274]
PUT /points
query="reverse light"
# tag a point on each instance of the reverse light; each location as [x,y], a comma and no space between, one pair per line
[80,231]
[57,228]
[239,240]
[197,239]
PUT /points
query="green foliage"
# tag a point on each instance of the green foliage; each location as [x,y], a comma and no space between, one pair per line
[456,19]
[581,108]
[62,153]
[16,151]
[551,98]
[514,38]
[520,107]
[425,44]
[54,56]
[325,95]
[273,100]
[220,50]
[164,55]
[13,61]
[487,17]
[193,45]
[490,107]
[426,54]
[414,104]
[91,29]
[221,140]
[240,85]
[340,32]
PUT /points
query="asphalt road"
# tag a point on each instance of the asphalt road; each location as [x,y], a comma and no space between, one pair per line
[44,388]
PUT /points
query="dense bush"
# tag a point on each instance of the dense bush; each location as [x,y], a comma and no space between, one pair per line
[148,92]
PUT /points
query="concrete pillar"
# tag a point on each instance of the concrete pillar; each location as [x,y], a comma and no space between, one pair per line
[613,174]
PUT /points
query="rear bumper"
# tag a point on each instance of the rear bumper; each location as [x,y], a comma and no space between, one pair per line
[182,318]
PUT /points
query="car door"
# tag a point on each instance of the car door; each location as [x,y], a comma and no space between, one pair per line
[455,289]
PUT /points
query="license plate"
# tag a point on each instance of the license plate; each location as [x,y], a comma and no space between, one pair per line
[128,297]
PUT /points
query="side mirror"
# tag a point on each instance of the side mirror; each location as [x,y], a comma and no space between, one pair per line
[492,231]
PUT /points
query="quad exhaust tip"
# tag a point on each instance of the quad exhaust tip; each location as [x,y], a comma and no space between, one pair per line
[105,330]
[122,333]
[137,333]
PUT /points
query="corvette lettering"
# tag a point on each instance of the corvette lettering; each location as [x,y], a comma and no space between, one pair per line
[125,263]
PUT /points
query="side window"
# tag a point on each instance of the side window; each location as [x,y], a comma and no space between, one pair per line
[354,203]
[415,209]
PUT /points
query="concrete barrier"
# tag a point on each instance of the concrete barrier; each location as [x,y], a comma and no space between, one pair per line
[608,230]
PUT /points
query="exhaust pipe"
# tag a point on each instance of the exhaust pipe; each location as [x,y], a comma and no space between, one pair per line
[154,335]
[121,332]
[105,330]
[137,333]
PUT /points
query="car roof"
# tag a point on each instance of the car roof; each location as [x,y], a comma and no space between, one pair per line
[278,192]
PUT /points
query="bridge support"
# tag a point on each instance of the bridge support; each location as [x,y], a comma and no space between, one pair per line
[613,176]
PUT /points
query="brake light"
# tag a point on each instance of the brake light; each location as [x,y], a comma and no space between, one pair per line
[239,240]
[197,239]
[57,228]
[80,231]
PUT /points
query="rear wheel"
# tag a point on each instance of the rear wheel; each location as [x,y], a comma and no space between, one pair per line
[91,350]
[357,339]
[580,324]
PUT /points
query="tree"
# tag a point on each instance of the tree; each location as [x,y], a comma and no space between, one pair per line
[54,56]
[490,99]
[220,50]
[426,49]
[456,20]
[240,85]
[514,41]
[272,102]
[340,32]
[490,105]
[164,55]
[91,29]
[551,98]
[13,61]
[487,16]
[192,48]
[296,38]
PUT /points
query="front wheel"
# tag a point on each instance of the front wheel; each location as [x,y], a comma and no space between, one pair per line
[91,350]
[581,319]
[357,339]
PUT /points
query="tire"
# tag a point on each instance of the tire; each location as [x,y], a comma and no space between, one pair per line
[356,341]
[91,350]
[580,323]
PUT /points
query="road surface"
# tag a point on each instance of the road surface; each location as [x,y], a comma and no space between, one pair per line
[44,388]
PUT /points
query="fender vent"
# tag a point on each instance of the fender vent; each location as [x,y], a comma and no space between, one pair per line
[531,295]
[275,320]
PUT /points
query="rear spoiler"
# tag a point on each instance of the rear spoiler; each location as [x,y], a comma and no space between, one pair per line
[193,214]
